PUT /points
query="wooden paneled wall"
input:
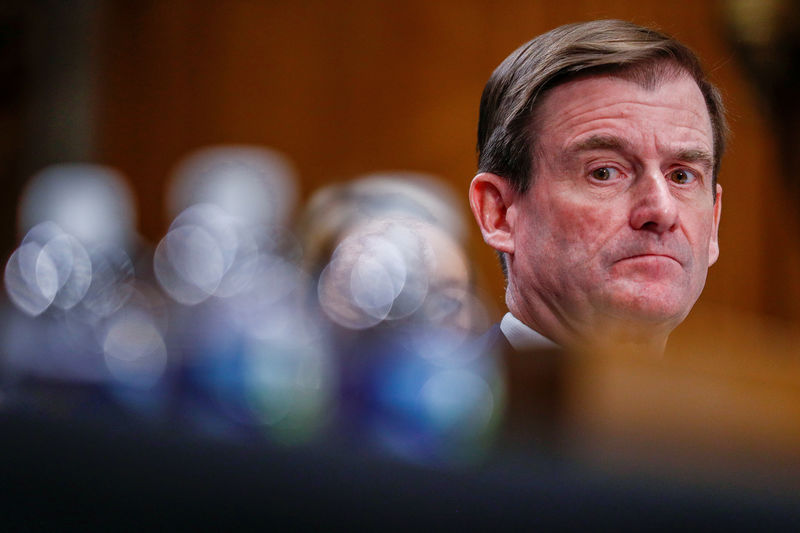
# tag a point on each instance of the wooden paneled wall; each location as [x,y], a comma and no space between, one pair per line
[345,88]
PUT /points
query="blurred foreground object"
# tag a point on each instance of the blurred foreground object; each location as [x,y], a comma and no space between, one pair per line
[230,207]
[79,229]
[251,357]
[252,182]
[85,317]
[336,210]
[392,269]
[389,246]
[90,202]
[706,414]
[394,281]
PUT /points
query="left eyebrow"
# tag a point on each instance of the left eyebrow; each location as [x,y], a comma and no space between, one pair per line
[702,157]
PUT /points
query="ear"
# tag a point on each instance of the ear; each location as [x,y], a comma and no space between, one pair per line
[713,245]
[490,197]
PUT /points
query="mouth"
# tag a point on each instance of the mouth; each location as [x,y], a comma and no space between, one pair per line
[650,257]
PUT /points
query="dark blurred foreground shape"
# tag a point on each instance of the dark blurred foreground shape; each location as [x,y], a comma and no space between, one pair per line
[584,454]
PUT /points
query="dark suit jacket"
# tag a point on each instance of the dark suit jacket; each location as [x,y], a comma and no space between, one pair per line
[534,381]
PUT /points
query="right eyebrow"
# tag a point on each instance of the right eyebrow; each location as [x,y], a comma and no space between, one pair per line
[596,142]
[600,142]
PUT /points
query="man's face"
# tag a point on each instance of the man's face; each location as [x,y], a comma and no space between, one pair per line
[619,224]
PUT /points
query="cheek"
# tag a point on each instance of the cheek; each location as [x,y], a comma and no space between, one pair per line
[699,232]
[581,229]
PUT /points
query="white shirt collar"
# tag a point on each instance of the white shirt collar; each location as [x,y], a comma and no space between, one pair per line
[521,337]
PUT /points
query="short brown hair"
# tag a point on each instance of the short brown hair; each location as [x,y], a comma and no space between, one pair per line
[505,130]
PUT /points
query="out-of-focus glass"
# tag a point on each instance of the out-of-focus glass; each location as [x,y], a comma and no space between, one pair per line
[236,333]
[93,203]
[257,184]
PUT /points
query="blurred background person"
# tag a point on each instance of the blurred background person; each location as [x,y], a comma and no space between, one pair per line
[395,283]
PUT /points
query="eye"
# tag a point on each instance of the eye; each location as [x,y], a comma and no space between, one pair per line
[682,176]
[604,173]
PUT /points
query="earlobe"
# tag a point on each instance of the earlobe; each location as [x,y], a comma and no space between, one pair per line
[713,245]
[491,199]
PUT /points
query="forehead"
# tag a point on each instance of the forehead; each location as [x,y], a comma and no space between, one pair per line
[671,112]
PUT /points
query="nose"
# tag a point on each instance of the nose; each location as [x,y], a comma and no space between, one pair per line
[654,207]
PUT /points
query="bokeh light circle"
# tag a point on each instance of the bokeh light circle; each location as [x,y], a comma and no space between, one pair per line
[134,351]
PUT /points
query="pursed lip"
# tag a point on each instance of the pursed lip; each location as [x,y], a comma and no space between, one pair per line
[650,254]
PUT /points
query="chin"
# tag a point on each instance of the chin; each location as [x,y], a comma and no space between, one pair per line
[650,306]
